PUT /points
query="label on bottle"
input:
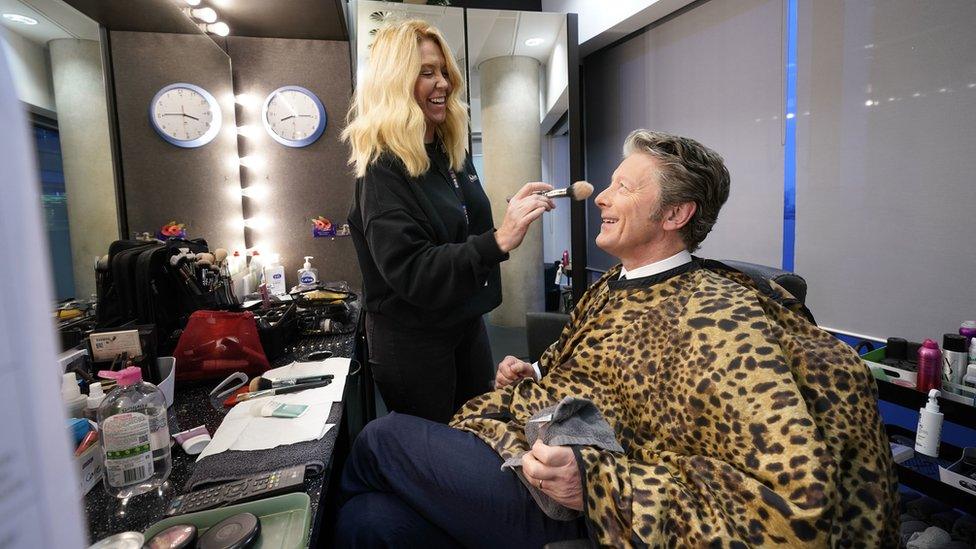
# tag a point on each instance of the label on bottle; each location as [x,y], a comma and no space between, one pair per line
[159,434]
[128,453]
[307,279]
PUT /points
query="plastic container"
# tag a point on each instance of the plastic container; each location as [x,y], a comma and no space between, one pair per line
[308,276]
[95,397]
[134,431]
[968,330]
[929,432]
[929,367]
[74,401]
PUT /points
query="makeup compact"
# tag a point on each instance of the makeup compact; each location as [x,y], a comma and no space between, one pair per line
[236,532]
[180,536]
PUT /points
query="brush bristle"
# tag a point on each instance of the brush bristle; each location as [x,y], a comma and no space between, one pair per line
[581,190]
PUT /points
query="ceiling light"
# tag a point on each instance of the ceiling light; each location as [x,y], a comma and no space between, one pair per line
[207,15]
[16,18]
[219,28]
[534,41]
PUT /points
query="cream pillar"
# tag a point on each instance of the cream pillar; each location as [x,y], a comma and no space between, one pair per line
[512,157]
[79,93]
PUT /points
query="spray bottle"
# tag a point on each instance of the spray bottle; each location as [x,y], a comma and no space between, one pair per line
[929,367]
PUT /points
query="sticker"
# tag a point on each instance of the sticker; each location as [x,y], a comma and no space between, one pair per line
[128,452]
[172,230]
[322,227]
[109,345]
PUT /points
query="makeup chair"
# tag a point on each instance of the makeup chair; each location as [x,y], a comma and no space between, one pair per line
[542,329]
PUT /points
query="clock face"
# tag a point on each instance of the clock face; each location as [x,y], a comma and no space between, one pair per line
[185,115]
[294,116]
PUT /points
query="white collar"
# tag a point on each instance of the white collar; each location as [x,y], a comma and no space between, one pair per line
[675,260]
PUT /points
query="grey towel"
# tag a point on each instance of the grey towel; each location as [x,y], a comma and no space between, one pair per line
[235,464]
[932,538]
[908,528]
[572,422]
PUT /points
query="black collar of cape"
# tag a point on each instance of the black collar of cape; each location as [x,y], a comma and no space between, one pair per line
[648,281]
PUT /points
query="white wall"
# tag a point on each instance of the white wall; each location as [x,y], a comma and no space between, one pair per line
[555,101]
[31,70]
[603,21]
[555,171]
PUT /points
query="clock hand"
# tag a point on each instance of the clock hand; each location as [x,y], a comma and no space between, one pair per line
[193,117]
[287,117]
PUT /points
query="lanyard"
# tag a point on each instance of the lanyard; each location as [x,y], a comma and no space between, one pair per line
[460,194]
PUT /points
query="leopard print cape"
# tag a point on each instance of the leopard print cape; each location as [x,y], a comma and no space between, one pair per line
[742,423]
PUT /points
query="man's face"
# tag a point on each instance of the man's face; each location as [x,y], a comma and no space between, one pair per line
[629,209]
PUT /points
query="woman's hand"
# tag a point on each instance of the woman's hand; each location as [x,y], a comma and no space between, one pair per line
[524,208]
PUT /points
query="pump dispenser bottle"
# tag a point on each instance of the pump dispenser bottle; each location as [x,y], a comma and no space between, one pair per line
[95,397]
[929,367]
[134,432]
[929,432]
[308,276]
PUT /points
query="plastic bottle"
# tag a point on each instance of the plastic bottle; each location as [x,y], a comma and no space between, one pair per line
[71,395]
[308,276]
[972,351]
[968,330]
[955,357]
[256,270]
[95,397]
[134,432]
[929,367]
[929,432]
[274,277]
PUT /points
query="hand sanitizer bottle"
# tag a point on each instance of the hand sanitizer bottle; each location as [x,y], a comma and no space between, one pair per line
[929,432]
[308,276]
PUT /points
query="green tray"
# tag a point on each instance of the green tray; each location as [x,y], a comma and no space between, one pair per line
[284,520]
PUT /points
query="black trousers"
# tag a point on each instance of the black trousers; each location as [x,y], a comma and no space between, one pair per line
[409,482]
[426,372]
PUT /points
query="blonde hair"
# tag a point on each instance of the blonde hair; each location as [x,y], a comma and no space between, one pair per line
[384,115]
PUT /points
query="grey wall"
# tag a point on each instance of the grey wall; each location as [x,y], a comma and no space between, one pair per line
[162,182]
[304,182]
[714,73]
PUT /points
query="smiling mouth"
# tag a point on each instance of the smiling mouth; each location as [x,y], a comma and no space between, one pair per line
[608,220]
[437,100]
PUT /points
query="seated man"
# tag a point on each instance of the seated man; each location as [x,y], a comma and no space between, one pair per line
[741,422]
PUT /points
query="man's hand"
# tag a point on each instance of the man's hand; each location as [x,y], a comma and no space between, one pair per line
[510,370]
[553,470]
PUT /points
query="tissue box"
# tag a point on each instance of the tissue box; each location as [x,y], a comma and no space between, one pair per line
[956,474]
[91,467]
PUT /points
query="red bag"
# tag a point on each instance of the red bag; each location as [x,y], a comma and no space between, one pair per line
[218,343]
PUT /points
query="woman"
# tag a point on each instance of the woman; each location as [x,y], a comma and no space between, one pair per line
[422,226]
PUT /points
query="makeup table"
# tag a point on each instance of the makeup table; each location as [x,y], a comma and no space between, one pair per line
[108,515]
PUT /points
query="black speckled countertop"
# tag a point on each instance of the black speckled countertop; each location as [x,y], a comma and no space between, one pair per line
[108,515]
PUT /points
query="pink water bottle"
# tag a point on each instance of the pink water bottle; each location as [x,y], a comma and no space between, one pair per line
[929,367]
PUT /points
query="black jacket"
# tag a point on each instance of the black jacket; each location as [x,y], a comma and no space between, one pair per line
[417,269]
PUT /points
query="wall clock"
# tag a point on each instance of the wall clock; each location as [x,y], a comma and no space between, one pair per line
[185,115]
[294,116]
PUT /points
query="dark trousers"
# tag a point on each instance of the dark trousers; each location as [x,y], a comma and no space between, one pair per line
[410,482]
[427,372]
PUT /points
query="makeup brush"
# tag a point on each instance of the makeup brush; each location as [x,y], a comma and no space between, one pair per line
[581,190]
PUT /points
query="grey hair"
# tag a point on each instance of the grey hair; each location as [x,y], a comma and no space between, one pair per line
[688,172]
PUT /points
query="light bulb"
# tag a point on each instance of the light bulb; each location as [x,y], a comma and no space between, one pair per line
[193,2]
[256,191]
[248,131]
[256,223]
[534,42]
[219,28]
[252,161]
[245,100]
[207,15]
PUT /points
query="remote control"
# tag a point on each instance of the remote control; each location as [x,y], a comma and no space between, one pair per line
[283,481]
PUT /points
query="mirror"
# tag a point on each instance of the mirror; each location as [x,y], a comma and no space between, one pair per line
[517,69]
[57,54]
